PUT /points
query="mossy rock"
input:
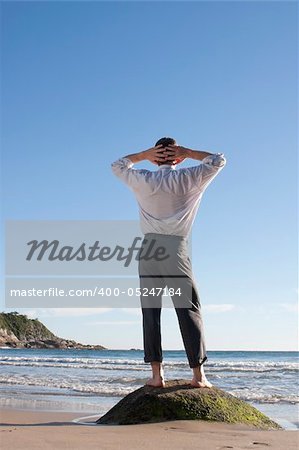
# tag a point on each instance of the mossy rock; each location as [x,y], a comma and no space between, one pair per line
[178,400]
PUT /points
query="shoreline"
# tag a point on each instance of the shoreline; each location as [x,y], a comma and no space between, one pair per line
[30,429]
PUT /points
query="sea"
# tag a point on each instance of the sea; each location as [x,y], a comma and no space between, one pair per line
[92,381]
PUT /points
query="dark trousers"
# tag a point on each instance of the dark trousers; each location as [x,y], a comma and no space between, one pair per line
[175,272]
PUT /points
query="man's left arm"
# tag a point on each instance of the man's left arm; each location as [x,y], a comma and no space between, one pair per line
[123,167]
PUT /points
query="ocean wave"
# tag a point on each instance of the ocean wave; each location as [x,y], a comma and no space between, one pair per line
[100,387]
[69,360]
[138,364]
[262,397]
[119,387]
[72,366]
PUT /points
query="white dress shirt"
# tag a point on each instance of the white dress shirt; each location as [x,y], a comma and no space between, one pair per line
[169,198]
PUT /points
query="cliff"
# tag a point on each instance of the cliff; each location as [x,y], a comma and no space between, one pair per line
[18,331]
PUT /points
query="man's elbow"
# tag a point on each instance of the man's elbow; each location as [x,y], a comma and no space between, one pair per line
[115,167]
[219,160]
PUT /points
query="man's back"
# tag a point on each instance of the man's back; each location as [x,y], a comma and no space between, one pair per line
[169,198]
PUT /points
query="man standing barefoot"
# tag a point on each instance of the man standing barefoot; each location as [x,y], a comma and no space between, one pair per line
[168,202]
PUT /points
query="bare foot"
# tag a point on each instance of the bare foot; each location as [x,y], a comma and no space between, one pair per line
[200,384]
[199,379]
[156,382]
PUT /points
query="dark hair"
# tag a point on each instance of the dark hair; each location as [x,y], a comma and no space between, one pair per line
[165,141]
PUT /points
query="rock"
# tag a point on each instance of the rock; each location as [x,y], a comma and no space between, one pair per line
[178,400]
[7,336]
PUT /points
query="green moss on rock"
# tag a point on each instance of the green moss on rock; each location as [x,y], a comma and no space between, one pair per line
[178,400]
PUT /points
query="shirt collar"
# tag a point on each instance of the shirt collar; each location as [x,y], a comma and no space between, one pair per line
[167,166]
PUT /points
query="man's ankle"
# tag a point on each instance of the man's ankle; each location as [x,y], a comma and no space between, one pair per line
[158,375]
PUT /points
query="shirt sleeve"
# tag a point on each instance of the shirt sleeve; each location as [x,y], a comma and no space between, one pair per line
[216,160]
[204,173]
[122,168]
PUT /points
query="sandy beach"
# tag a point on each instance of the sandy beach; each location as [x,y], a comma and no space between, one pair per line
[50,430]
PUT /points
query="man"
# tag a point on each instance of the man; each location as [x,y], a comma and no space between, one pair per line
[168,201]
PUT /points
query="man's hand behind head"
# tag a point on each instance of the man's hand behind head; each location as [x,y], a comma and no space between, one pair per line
[176,152]
[155,154]
[166,154]
[165,141]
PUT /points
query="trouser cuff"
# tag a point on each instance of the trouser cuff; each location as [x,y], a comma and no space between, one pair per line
[199,363]
[150,360]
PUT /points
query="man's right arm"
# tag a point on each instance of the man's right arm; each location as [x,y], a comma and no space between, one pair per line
[180,152]
[203,174]
[213,159]
[196,154]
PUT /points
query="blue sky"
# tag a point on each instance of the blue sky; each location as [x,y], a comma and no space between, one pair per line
[84,83]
